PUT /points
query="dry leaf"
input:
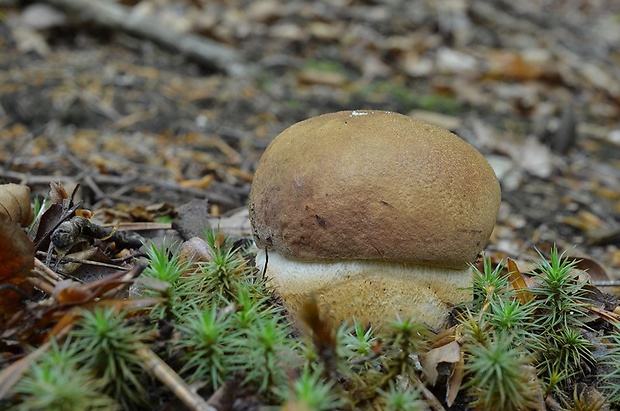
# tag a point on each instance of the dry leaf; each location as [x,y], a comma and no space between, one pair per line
[455,381]
[42,228]
[235,223]
[455,62]
[442,120]
[450,353]
[596,271]
[583,220]
[15,204]
[517,281]
[16,251]
[57,193]
[72,292]
[16,262]
[535,157]
[521,65]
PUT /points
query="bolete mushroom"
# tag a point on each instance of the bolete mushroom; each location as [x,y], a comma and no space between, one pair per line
[374,214]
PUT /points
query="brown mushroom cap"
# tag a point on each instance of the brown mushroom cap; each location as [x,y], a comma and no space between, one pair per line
[373,185]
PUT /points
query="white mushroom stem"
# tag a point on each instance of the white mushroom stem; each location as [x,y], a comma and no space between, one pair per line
[380,290]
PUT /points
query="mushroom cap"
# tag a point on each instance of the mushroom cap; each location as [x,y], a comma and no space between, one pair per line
[373,185]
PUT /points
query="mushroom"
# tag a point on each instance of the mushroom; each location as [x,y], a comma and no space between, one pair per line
[373,214]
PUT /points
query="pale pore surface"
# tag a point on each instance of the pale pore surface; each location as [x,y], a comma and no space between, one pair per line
[369,291]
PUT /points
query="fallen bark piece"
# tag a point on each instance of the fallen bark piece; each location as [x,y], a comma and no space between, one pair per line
[201,50]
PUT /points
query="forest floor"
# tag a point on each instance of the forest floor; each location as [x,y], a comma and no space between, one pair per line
[144,129]
[535,88]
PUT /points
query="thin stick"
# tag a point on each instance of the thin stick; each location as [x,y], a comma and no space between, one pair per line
[46,270]
[171,379]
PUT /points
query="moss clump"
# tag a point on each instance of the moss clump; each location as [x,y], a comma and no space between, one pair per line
[217,325]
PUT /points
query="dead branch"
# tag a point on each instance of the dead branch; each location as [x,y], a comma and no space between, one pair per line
[201,50]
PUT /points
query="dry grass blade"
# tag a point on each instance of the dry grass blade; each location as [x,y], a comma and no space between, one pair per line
[518,282]
[610,317]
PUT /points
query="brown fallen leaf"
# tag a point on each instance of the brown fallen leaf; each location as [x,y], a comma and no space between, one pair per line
[72,292]
[595,270]
[584,221]
[16,262]
[450,353]
[201,183]
[15,204]
[455,381]
[517,281]
[520,65]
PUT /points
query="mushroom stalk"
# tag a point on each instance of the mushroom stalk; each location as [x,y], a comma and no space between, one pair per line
[368,291]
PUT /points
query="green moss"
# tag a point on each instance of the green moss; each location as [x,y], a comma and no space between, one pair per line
[226,330]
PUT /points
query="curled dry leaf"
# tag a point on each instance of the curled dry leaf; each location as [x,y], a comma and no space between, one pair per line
[455,380]
[518,282]
[15,204]
[71,292]
[449,353]
[595,270]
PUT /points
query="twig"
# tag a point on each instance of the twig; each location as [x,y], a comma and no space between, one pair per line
[41,285]
[431,400]
[217,192]
[171,379]
[93,263]
[606,283]
[608,316]
[46,270]
[203,51]
[126,281]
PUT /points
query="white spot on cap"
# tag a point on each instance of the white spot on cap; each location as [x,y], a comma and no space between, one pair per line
[358,113]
